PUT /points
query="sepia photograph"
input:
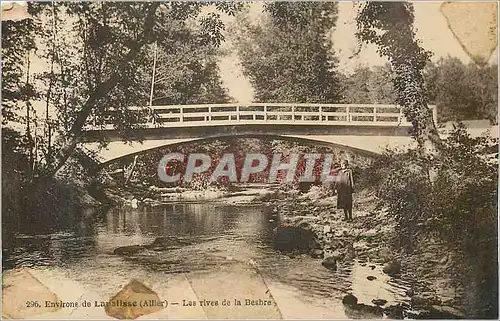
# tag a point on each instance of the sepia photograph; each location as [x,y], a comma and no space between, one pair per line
[249,160]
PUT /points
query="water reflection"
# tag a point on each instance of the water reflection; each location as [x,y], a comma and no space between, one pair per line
[84,234]
[174,219]
[85,248]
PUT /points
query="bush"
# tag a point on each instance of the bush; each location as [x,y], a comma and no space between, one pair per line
[459,207]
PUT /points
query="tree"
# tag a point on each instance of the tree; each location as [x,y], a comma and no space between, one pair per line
[389,25]
[462,91]
[97,55]
[288,57]
[187,72]
[369,86]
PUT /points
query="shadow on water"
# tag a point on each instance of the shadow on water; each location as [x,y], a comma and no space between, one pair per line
[51,240]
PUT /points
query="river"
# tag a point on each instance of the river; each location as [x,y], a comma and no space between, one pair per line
[219,238]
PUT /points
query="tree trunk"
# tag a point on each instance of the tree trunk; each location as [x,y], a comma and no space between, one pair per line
[396,39]
[28,120]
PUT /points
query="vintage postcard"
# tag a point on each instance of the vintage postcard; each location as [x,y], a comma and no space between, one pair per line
[249,160]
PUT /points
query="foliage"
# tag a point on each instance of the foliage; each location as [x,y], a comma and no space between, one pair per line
[96,62]
[459,209]
[464,189]
[389,25]
[187,69]
[147,163]
[288,56]
[369,86]
[17,41]
[461,91]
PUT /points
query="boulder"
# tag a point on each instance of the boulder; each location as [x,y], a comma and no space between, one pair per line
[379,302]
[290,238]
[330,263]
[424,300]
[446,312]
[349,300]
[129,250]
[392,268]
[362,311]
[165,241]
[316,253]
[369,311]
[394,311]
[371,278]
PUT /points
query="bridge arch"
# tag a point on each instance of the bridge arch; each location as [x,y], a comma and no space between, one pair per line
[133,151]
[363,129]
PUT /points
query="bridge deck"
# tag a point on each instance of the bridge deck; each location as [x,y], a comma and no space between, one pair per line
[256,113]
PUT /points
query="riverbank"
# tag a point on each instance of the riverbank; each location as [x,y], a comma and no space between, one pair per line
[430,290]
[152,195]
[359,251]
[367,241]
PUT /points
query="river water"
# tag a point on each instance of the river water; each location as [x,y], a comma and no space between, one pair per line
[217,236]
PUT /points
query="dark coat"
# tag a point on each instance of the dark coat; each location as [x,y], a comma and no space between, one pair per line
[345,187]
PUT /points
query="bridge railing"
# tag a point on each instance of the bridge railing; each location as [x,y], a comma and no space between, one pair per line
[279,113]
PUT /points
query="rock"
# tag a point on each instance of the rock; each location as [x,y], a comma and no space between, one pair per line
[363,311]
[338,255]
[370,233]
[385,254]
[371,278]
[394,311]
[289,238]
[316,253]
[349,300]
[379,302]
[424,300]
[372,267]
[360,246]
[305,225]
[134,292]
[446,312]
[330,263]
[371,312]
[165,241]
[392,268]
[410,293]
[129,250]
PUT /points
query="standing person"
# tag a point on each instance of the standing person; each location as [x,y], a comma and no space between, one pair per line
[345,187]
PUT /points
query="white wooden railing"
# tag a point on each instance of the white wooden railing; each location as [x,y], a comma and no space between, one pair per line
[275,113]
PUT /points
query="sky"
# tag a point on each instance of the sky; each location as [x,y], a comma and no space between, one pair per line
[431,25]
